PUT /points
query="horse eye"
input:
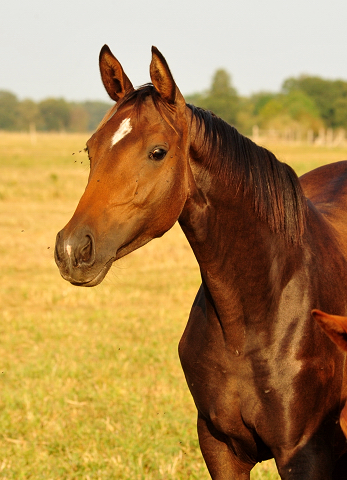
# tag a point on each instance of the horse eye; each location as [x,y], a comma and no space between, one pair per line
[158,154]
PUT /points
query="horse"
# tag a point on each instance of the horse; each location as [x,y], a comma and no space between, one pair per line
[335,327]
[266,381]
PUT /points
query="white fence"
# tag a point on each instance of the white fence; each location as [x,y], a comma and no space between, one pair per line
[327,137]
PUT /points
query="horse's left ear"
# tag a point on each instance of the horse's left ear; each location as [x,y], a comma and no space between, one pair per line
[115,81]
[163,80]
[334,326]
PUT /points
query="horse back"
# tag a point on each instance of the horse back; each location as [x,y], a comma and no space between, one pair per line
[326,188]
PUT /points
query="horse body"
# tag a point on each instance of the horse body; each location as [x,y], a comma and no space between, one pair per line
[265,379]
[247,351]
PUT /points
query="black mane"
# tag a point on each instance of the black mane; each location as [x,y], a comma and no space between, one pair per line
[276,190]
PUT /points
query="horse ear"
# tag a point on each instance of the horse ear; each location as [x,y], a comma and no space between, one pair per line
[116,83]
[163,80]
[334,326]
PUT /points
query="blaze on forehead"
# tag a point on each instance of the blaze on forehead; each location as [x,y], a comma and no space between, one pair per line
[123,130]
[138,98]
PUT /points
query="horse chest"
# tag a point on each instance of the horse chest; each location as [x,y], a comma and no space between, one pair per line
[217,381]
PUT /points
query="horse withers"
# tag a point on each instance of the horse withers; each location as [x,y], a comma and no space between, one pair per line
[266,381]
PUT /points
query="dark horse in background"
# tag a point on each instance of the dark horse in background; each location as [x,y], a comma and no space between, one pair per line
[335,327]
[266,380]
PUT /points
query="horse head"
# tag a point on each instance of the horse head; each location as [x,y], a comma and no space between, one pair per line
[138,181]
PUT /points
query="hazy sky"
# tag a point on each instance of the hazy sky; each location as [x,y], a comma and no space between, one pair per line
[51,48]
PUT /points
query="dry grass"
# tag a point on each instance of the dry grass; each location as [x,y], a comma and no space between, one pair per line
[91,385]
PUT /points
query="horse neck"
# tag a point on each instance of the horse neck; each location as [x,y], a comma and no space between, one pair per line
[239,255]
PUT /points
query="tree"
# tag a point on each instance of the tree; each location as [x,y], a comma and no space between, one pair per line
[221,98]
[221,84]
[340,110]
[96,111]
[55,114]
[259,100]
[296,110]
[79,118]
[327,95]
[8,108]
[27,115]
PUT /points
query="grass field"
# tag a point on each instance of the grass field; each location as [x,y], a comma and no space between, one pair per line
[91,384]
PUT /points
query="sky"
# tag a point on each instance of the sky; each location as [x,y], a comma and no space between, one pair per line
[51,49]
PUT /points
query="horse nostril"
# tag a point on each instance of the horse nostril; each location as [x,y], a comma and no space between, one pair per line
[57,248]
[85,251]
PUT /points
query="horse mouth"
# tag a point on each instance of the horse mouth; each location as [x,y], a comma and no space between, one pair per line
[96,280]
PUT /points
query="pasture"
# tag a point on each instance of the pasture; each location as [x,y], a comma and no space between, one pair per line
[91,384]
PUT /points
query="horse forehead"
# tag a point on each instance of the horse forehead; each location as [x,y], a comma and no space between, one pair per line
[120,122]
[122,131]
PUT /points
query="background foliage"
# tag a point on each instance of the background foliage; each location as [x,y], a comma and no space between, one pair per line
[50,115]
[306,102]
[303,103]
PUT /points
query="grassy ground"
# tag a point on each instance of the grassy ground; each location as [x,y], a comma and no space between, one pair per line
[91,385]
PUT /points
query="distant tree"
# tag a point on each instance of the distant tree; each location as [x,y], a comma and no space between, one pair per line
[96,111]
[79,118]
[221,98]
[305,102]
[327,95]
[54,114]
[8,109]
[248,111]
[260,99]
[27,115]
[246,118]
[295,110]
[340,112]
[221,84]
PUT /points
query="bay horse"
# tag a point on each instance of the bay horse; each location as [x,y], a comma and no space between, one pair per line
[267,382]
[335,327]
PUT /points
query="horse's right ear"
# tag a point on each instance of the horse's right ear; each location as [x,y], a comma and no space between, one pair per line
[334,326]
[163,80]
[115,81]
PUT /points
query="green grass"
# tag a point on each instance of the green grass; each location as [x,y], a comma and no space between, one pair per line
[91,384]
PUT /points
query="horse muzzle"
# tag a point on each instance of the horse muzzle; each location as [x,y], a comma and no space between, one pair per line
[75,256]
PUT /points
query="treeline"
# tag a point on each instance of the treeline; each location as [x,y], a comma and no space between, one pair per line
[51,114]
[306,103]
